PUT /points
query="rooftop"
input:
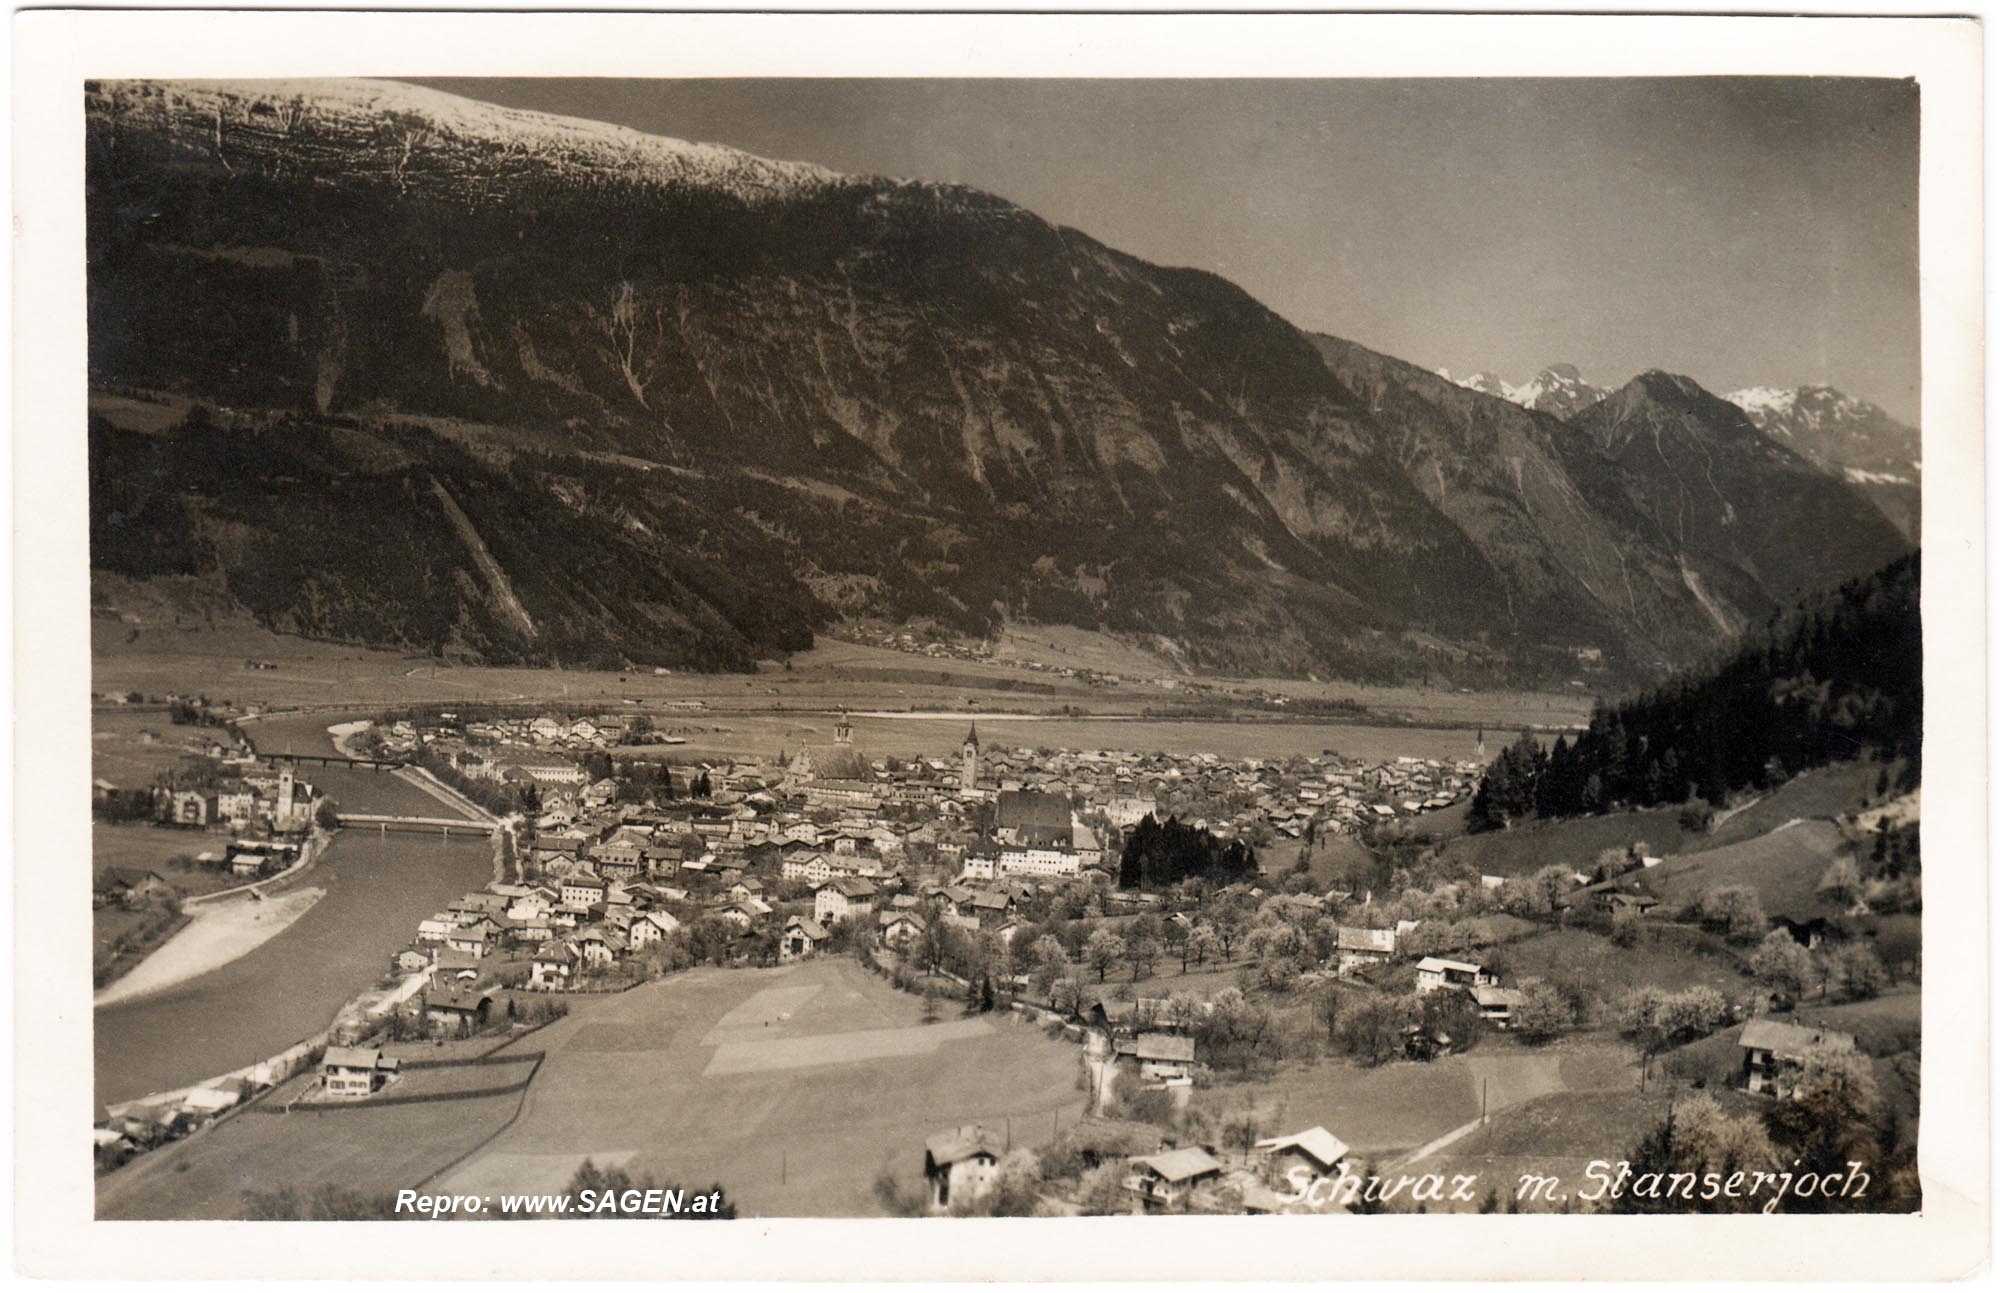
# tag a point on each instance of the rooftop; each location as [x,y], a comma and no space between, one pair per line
[1790,1041]
[1181,1164]
[961,1143]
[1323,1146]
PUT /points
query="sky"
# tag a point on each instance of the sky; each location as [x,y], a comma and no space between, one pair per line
[1741,231]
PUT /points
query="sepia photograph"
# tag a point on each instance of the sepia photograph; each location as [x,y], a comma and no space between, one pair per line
[856,646]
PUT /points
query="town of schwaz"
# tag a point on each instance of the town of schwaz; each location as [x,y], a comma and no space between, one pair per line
[626,669]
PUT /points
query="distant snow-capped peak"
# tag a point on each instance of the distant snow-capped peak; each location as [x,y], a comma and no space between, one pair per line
[1836,430]
[1558,389]
[1785,409]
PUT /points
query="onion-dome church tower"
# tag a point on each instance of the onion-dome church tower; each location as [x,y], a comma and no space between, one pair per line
[968,774]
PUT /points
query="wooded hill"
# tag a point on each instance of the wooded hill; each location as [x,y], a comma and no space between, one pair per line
[1839,676]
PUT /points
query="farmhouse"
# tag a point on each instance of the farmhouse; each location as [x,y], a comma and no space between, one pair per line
[458,1008]
[1773,1051]
[189,808]
[1356,948]
[900,928]
[1165,1180]
[1496,1005]
[1611,901]
[551,966]
[802,938]
[1159,1057]
[1302,1157]
[960,1164]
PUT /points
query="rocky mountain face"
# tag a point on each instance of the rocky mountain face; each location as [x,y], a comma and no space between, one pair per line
[1576,535]
[1724,491]
[1846,435]
[518,388]
[1558,390]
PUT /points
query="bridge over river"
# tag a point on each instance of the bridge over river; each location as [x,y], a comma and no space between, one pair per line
[338,761]
[384,822]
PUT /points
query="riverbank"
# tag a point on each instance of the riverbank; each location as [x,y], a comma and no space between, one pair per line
[210,948]
[341,733]
[215,935]
[291,985]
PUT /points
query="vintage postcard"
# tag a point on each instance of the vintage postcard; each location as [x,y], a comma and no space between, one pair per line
[1000,647]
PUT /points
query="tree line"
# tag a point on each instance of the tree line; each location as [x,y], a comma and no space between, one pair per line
[1158,855]
[1836,677]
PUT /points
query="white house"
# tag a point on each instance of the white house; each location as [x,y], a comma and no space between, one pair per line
[1435,972]
[355,1072]
[961,1165]
[843,899]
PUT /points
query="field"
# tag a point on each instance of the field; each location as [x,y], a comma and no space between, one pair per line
[162,638]
[1393,1111]
[1556,1135]
[792,1088]
[1784,867]
[1670,958]
[1821,794]
[146,847]
[367,1148]
[131,745]
[1575,843]
[1203,981]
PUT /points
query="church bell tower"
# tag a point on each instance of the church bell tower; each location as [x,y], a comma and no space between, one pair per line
[968,775]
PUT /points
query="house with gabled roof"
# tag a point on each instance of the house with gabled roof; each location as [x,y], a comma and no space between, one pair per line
[1156,1056]
[650,927]
[900,928]
[961,1165]
[848,898]
[1497,1004]
[552,965]
[355,1072]
[803,937]
[1166,1180]
[1356,947]
[1437,972]
[1773,1050]
[1301,1157]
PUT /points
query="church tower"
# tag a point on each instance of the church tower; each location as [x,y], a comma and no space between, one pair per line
[843,732]
[968,775]
[284,798]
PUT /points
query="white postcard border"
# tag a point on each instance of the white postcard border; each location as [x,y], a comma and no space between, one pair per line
[56,51]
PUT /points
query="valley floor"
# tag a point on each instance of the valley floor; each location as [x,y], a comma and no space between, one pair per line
[791,1088]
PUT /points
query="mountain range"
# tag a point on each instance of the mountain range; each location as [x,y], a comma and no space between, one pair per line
[1871,450]
[1558,389]
[1838,432]
[510,387]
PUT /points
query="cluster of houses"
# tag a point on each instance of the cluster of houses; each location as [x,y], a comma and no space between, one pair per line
[1281,1174]
[786,853]
[1297,1172]
[246,795]
[835,799]
[547,732]
[545,936]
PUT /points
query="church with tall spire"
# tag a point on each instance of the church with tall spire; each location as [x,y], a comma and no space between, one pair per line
[968,756]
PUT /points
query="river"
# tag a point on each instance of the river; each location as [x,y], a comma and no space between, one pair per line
[377,889]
